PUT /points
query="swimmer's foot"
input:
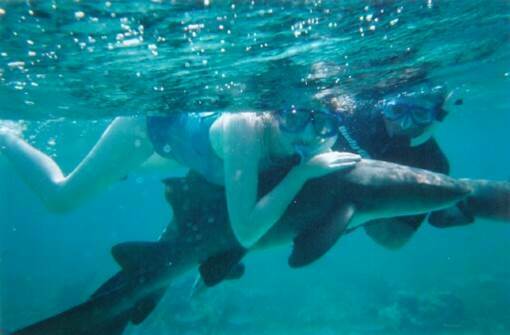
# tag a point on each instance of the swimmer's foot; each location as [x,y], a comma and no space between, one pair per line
[11,127]
[9,130]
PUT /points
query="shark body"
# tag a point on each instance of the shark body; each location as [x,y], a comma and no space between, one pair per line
[324,210]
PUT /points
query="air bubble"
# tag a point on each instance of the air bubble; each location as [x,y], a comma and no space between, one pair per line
[79,15]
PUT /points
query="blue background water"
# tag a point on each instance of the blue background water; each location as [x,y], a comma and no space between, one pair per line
[51,262]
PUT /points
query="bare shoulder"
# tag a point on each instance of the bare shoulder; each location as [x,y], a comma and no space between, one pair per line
[235,120]
[244,127]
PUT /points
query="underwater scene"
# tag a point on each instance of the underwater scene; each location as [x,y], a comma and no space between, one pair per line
[254,167]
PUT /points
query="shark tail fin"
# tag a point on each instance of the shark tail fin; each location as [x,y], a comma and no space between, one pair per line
[124,281]
[109,310]
[85,319]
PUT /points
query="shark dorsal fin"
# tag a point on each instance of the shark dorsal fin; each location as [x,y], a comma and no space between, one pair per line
[140,256]
[320,237]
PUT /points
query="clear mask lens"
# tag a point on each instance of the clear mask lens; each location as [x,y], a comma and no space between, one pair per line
[293,120]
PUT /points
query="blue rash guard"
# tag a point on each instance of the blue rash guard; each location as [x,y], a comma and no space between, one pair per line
[184,137]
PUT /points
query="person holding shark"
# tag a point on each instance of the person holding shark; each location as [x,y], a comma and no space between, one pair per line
[313,223]
[397,125]
[359,191]
[395,128]
[229,149]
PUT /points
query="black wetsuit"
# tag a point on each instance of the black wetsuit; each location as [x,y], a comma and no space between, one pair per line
[364,132]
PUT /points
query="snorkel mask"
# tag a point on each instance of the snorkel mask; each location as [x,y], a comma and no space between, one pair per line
[415,109]
[324,122]
[418,110]
[294,120]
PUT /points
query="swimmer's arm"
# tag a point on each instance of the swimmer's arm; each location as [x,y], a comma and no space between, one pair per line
[251,219]
[123,147]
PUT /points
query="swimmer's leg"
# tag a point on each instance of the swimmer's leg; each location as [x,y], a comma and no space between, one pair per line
[123,147]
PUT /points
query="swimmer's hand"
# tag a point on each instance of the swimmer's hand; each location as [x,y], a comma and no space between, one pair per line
[328,162]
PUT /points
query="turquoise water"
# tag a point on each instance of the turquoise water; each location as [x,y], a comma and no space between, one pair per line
[65,71]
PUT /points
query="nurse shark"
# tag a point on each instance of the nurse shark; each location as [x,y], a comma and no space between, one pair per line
[200,236]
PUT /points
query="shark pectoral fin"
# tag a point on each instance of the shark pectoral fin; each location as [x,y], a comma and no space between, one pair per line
[135,256]
[219,267]
[315,241]
[393,233]
[145,306]
[458,215]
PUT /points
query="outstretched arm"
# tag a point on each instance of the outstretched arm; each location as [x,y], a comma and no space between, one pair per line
[123,147]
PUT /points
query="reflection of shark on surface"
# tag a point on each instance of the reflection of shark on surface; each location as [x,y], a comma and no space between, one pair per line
[324,210]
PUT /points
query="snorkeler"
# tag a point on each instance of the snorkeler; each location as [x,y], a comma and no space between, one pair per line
[394,127]
[229,149]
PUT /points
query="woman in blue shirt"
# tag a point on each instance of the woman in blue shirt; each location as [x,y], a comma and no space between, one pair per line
[229,149]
